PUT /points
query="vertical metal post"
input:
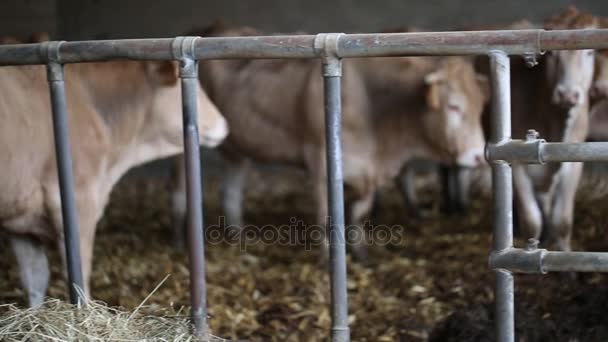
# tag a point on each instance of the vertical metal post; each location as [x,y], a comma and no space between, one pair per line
[64,168]
[502,183]
[332,76]
[188,73]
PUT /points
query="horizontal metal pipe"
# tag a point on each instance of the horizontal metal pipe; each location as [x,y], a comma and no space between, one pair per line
[542,261]
[575,261]
[302,46]
[538,152]
[574,152]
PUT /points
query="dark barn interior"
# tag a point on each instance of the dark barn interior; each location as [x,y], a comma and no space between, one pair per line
[426,277]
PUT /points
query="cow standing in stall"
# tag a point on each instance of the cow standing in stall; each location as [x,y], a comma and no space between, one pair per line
[554,100]
[121,114]
[393,110]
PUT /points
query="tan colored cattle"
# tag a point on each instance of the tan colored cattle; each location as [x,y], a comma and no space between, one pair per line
[394,109]
[554,100]
[121,114]
[456,182]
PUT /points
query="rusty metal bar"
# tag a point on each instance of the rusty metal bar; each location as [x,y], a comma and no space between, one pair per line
[71,231]
[332,76]
[502,184]
[188,72]
[512,42]
[541,261]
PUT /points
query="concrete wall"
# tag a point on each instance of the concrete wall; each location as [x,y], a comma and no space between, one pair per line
[89,19]
[86,19]
[21,17]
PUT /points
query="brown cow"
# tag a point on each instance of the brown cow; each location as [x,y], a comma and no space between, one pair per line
[553,99]
[121,114]
[394,109]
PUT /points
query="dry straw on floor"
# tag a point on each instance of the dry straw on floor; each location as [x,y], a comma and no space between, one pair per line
[56,320]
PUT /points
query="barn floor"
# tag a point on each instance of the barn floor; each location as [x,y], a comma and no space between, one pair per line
[431,283]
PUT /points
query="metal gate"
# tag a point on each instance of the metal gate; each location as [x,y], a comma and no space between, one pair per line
[331,48]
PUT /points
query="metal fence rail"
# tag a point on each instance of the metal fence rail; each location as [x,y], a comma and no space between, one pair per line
[501,150]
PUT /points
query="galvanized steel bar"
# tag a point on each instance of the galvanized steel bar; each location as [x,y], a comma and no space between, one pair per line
[542,261]
[188,72]
[71,231]
[574,152]
[575,261]
[538,151]
[502,183]
[332,76]
[513,42]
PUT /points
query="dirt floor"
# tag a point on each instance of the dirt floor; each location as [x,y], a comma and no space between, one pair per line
[431,282]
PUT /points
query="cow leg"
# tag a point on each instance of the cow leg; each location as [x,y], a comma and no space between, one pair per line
[406,183]
[451,189]
[376,205]
[316,165]
[358,210]
[463,180]
[88,214]
[320,188]
[33,267]
[178,202]
[530,215]
[560,219]
[233,186]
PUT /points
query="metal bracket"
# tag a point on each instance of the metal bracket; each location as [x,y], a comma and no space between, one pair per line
[183,51]
[529,260]
[49,51]
[326,44]
[529,151]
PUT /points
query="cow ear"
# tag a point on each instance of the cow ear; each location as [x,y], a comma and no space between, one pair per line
[432,97]
[434,77]
[484,85]
[165,72]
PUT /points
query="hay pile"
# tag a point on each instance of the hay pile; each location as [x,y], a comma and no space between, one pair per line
[56,320]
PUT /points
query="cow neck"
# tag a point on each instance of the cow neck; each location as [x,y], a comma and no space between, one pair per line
[117,90]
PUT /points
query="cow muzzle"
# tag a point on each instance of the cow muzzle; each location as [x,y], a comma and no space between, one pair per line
[473,157]
[213,136]
[567,97]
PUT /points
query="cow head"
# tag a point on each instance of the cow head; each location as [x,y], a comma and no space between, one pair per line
[166,109]
[456,95]
[570,73]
